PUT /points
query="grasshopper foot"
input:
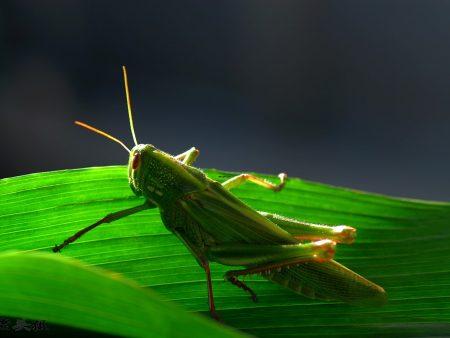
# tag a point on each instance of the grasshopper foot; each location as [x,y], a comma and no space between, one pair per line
[233,280]
[56,248]
[215,316]
[280,186]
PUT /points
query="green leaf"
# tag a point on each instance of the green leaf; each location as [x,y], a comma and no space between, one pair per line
[62,290]
[402,245]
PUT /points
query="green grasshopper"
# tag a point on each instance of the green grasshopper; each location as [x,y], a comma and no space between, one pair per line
[218,227]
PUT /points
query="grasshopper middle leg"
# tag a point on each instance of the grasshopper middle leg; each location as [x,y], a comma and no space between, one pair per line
[240,179]
[212,307]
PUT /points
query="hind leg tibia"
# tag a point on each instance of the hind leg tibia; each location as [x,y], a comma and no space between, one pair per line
[265,259]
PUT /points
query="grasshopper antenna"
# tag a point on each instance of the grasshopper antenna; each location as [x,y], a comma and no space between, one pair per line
[130,114]
[98,131]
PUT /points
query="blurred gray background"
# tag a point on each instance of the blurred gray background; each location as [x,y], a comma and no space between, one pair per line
[350,93]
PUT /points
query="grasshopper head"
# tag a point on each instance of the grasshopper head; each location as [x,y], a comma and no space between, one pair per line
[140,154]
[139,157]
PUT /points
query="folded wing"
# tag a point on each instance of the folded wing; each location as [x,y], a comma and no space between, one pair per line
[229,220]
[329,281]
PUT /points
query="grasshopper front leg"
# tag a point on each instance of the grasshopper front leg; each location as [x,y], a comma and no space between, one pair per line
[107,219]
[189,156]
[267,258]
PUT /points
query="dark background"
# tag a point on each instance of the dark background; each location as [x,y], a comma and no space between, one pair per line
[349,93]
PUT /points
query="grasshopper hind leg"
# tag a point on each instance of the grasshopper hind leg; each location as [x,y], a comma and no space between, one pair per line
[268,259]
[266,270]
[312,232]
[240,284]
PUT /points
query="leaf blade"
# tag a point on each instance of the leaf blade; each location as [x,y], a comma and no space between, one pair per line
[61,290]
[399,247]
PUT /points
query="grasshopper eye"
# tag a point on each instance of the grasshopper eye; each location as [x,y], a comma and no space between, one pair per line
[136,161]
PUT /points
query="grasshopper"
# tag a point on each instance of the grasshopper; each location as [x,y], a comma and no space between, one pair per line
[218,227]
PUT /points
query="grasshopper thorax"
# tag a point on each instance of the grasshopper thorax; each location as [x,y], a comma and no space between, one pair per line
[160,177]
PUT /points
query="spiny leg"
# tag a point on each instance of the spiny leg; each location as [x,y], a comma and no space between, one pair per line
[107,219]
[267,257]
[265,269]
[240,179]
[235,281]
[310,231]
[189,156]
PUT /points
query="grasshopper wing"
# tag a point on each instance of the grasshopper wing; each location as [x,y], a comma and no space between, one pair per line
[228,220]
[329,281]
